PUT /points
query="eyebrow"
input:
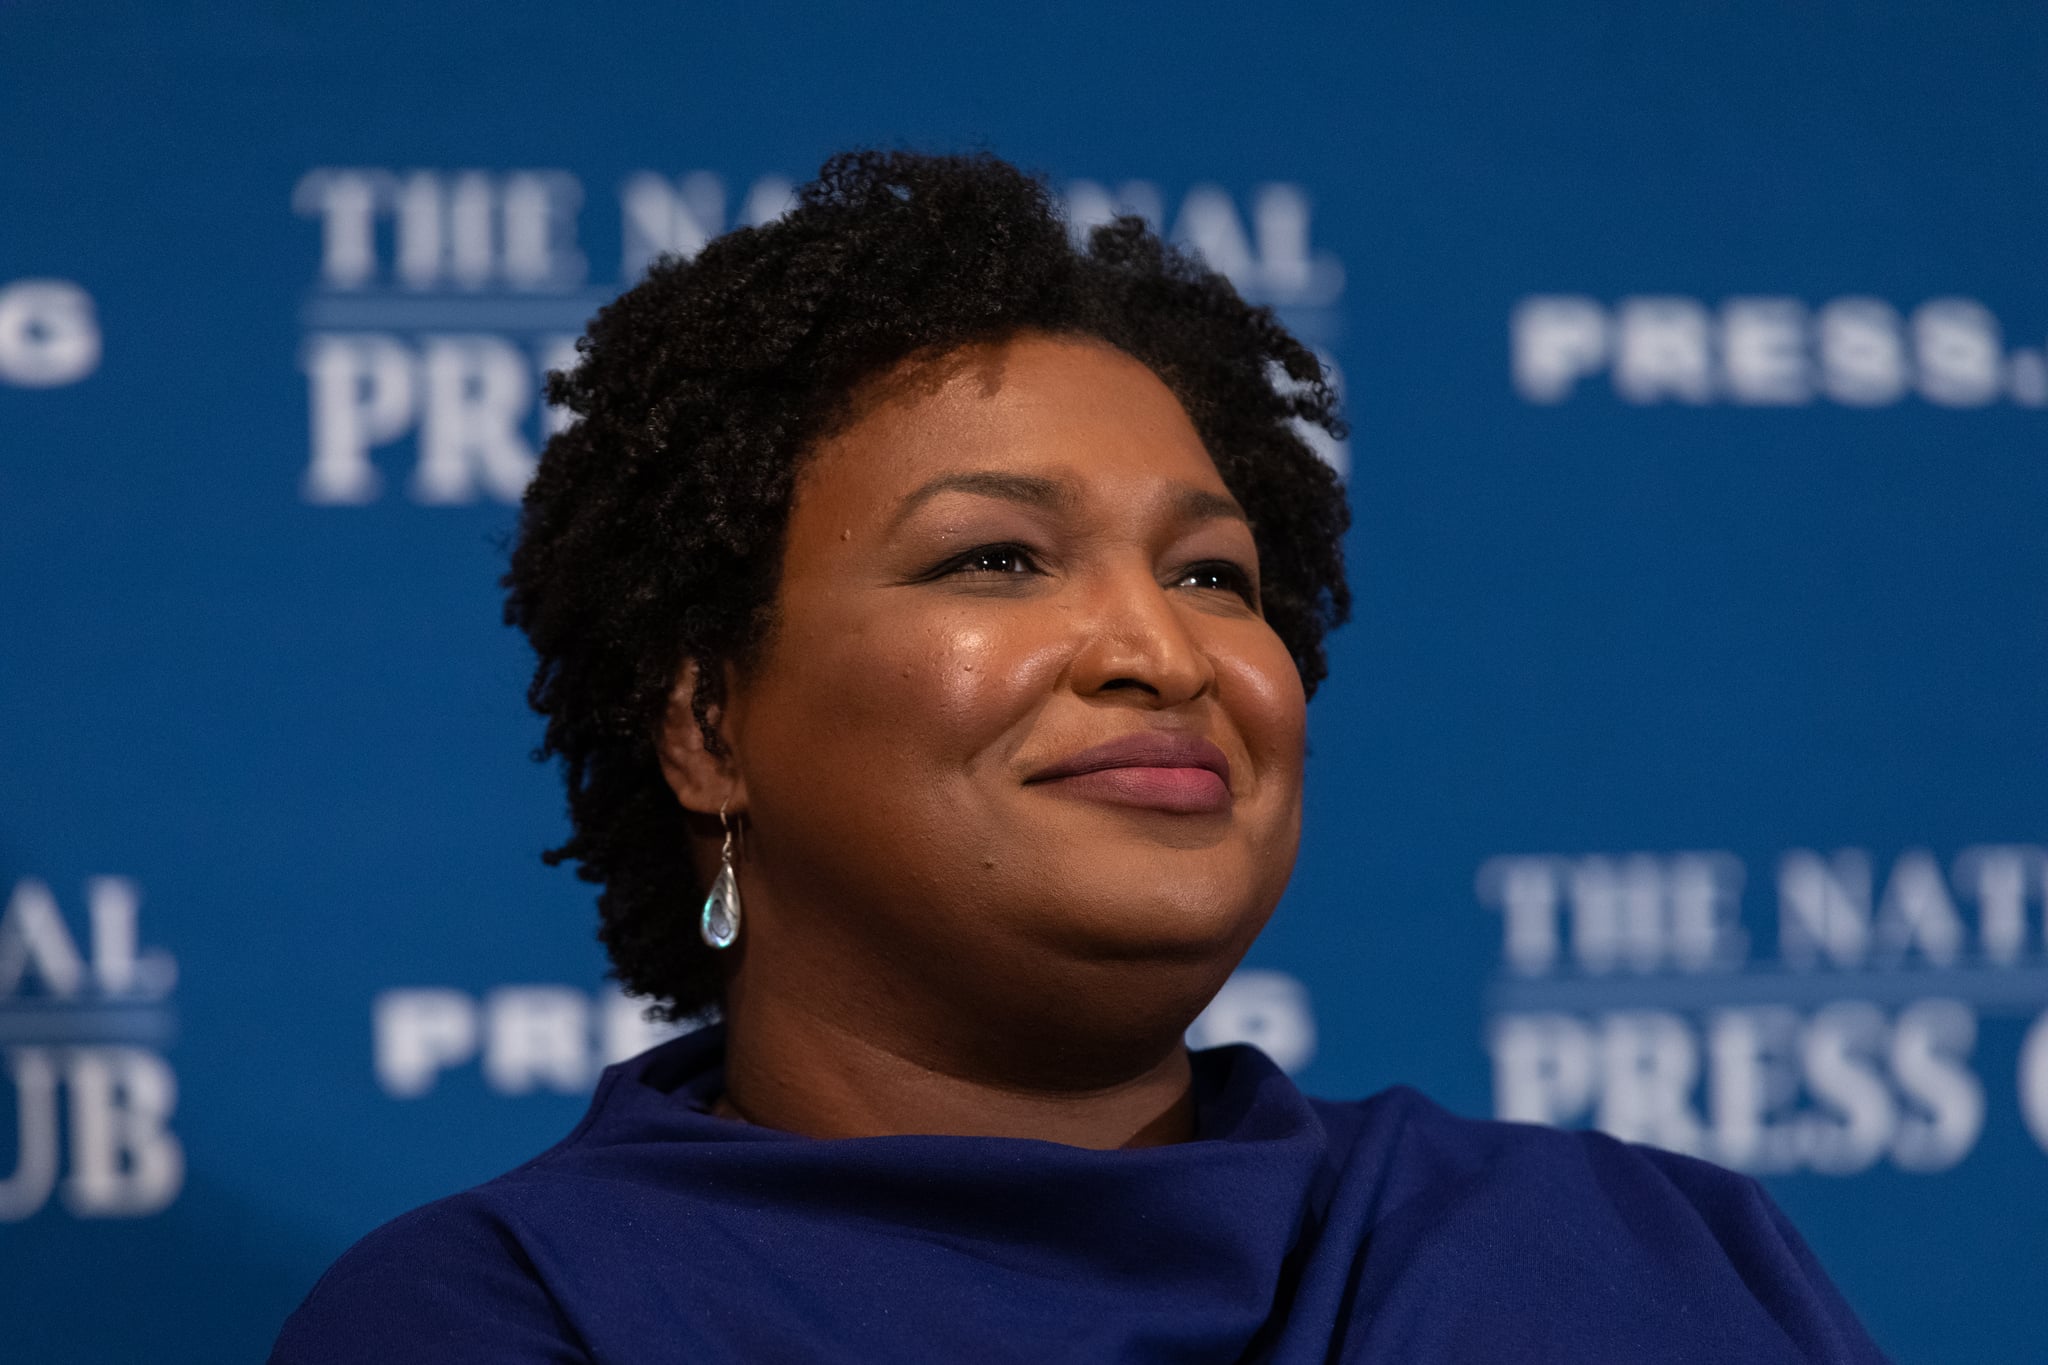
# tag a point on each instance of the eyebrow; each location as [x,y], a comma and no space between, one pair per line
[1032,490]
[1029,489]
[1199,504]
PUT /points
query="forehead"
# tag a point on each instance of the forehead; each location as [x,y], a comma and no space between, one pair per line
[1073,409]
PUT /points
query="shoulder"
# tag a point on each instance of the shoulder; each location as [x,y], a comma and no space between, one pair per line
[448,1282]
[1580,1235]
[523,1267]
[1426,1150]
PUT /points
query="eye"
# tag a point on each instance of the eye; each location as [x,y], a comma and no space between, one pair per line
[1003,559]
[1219,575]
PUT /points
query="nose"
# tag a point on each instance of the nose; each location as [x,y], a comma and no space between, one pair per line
[1136,641]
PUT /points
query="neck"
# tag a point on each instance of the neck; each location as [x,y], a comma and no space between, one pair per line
[801,1071]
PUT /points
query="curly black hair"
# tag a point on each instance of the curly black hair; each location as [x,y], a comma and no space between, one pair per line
[651,534]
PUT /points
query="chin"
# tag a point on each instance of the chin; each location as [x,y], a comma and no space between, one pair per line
[1139,917]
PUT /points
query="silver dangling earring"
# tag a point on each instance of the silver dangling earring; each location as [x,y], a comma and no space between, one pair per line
[720,924]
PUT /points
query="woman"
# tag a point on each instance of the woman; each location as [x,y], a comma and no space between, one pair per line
[937,605]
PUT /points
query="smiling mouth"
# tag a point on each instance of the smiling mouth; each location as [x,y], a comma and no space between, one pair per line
[1180,791]
[1160,770]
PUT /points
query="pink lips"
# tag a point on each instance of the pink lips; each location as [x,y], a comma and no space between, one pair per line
[1154,770]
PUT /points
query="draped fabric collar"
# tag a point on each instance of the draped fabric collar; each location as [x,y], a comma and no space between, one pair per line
[1182,1251]
[1289,1231]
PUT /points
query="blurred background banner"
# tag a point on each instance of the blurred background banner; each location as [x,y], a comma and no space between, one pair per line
[1681,773]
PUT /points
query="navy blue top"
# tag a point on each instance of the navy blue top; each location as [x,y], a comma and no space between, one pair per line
[1289,1230]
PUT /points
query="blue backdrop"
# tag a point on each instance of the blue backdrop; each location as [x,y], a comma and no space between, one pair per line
[1680,774]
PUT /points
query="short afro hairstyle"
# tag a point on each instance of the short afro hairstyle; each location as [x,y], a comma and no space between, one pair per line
[651,534]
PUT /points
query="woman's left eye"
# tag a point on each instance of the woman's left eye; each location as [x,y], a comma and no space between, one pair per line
[1220,576]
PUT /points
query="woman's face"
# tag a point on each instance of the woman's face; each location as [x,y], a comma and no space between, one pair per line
[1020,747]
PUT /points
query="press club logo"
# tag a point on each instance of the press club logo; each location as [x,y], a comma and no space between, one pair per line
[85,1012]
[443,297]
[1829,1026]
[1763,351]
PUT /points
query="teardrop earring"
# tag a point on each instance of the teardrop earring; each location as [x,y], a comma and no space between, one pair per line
[720,924]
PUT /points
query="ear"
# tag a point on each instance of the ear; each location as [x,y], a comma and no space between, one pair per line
[703,781]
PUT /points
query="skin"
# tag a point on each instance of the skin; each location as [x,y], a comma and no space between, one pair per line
[1005,556]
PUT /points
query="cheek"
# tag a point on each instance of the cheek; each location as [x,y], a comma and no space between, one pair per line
[1262,692]
[930,690]
[959,677]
